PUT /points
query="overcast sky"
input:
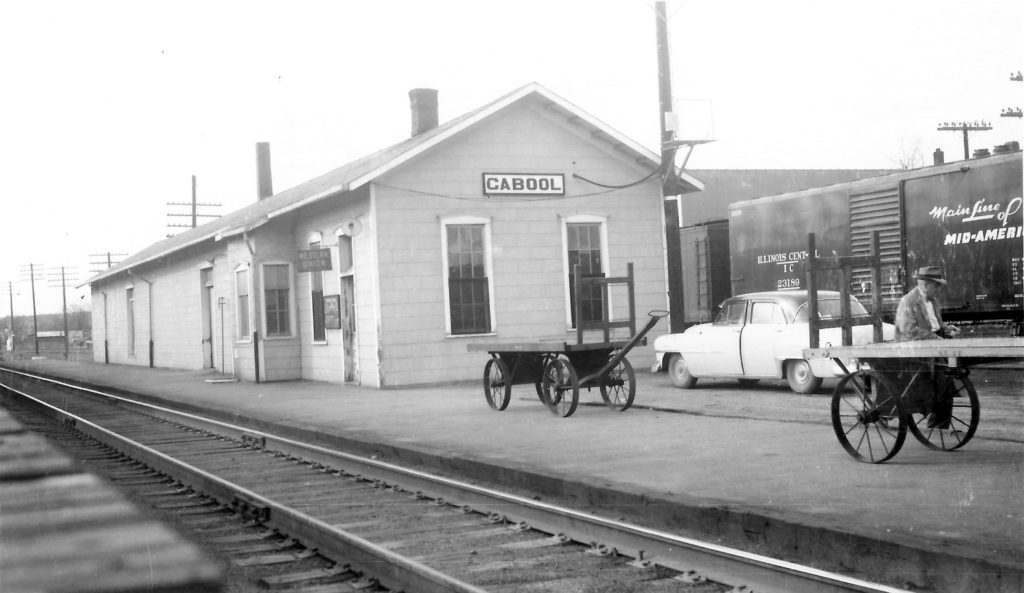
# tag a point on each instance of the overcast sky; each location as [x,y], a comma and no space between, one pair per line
[109,108]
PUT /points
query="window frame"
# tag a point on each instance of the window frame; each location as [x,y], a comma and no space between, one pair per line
[290,299]
[777,313]
[247,336]
[488,272]
[741,321]
[566,220]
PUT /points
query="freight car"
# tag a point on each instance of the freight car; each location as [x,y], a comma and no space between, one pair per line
[965,216]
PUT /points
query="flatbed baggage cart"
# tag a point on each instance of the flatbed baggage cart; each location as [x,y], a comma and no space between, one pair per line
[920,386]
[558,369]
[898,386]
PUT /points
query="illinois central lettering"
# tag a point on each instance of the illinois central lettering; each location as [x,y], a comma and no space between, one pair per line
[523,183]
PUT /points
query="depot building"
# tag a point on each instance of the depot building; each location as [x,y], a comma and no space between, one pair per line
[382,271]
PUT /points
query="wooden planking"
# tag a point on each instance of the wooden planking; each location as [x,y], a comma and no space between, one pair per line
[1006,348]
[64,530]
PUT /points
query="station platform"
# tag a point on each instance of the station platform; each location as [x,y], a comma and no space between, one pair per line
[757,468]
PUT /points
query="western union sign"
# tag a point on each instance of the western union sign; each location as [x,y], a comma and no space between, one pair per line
[314,260]
[517,184]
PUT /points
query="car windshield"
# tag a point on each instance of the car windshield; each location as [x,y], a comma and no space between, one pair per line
[831,309]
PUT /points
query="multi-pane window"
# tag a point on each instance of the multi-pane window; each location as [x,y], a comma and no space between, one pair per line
[468,293]
[583,241]
[316,289]
[276,287]
[242,296]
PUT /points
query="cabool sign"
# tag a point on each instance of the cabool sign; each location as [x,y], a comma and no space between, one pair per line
[531,184]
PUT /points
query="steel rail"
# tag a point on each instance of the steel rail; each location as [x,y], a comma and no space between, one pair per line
[394,571]
[711,561]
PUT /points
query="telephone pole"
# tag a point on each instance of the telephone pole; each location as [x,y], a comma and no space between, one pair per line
[35,319]
[10,291]
[1011,112]
[965,127]
[64,295]
[194,214]
[674,246]
[108,261]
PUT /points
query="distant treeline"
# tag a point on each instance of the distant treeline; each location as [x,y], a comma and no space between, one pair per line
[78,320]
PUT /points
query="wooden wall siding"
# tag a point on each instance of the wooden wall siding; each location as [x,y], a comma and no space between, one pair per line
[279,359]
[243,363]
[279,356]
[176,314]
[528,275]
[320,361]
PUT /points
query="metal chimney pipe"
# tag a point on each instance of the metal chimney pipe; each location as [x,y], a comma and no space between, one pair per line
[264,183]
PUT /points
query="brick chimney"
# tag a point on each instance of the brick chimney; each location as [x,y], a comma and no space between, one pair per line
[264,183]
[423,103]
[938,157]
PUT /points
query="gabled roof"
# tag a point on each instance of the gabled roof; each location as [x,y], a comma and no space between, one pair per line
[364,170]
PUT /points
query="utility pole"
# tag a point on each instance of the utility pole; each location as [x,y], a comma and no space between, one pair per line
[35,319]
[64,296]
[1011,112]
[194,205]
[10,291]
[108,261]
[965,126]
[673,242]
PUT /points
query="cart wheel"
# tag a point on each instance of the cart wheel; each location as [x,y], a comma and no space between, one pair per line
[561,387]
[963,422]
[497,384]
[619,386]
[866,417]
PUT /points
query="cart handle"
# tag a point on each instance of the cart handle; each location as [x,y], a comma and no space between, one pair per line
[655,315]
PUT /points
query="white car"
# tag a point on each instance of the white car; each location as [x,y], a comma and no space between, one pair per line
[760,335]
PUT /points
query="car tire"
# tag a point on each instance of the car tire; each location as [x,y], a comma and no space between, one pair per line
[801,379]
[679,373]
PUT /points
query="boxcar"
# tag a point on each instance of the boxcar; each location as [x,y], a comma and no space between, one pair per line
[965,216]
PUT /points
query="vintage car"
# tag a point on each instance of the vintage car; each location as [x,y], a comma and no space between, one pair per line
[760,335]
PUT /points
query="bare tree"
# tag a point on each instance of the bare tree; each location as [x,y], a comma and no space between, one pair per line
[909,158]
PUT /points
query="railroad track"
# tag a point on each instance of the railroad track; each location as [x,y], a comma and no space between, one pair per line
[402,528]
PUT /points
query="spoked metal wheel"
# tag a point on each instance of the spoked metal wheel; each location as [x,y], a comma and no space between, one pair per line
[619,386]
[497,384]
[963,421]
[866,417]
[561,387]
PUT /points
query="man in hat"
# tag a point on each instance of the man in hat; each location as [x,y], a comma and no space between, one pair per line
[919,316]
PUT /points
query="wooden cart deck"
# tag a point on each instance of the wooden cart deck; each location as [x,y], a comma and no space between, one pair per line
[954,348]
[543,346]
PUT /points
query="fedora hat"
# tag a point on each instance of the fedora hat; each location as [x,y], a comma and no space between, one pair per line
[933,273]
